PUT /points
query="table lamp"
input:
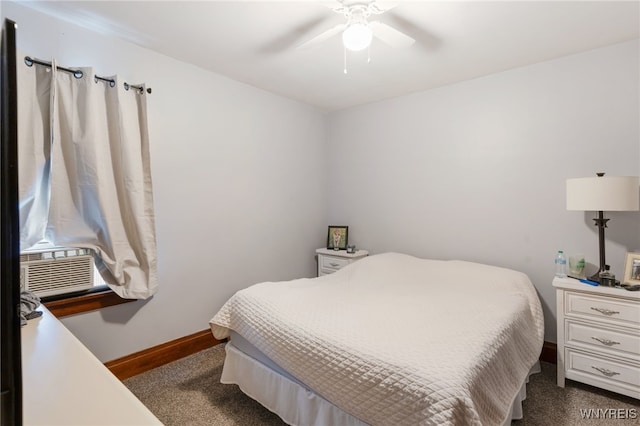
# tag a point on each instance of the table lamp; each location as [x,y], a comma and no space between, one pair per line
[600,193]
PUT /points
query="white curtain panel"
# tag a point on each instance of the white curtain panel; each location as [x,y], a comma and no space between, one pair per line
[34,100]
[100,179]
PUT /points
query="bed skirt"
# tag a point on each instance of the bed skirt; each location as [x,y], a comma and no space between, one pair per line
[298,405]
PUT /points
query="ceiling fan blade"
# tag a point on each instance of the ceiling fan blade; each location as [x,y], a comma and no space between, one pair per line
[336,6]
[322,36]
[390,35]
[378,8]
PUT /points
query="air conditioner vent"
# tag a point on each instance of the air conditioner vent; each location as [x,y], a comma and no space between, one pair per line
[58,271]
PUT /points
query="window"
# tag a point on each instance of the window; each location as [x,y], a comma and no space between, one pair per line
[91,184]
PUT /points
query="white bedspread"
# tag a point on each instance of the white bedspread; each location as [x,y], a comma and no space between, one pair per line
[397,340]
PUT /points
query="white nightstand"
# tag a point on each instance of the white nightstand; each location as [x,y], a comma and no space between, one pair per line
[598,336]
[329,261]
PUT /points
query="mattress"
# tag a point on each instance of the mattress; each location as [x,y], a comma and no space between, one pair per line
[348,336]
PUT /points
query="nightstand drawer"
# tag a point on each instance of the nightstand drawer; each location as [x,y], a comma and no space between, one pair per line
[333,263]
[605,340]
[605,373]
[329,261]
[625,312]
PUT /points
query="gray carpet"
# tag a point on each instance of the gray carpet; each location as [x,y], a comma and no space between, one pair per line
[188,392]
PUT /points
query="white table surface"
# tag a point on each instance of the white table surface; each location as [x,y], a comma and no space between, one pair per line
[65,384]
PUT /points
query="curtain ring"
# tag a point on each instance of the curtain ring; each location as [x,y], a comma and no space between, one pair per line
[126,86]
[28,61]
[78,74]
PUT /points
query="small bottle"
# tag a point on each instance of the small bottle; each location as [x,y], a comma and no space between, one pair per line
[561,265]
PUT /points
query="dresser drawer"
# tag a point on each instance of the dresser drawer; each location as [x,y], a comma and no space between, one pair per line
[605,373]
[622,311]
[620,342]
[329,261]
[333,263]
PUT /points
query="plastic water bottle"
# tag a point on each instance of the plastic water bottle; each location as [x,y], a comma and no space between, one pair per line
[561,265]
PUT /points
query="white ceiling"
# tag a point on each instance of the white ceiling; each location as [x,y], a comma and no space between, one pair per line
[254,42]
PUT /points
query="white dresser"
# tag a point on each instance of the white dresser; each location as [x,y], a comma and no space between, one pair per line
[65,384]
[598,336]
[329,261]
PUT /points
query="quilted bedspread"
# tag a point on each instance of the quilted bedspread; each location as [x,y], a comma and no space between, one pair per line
[397,340]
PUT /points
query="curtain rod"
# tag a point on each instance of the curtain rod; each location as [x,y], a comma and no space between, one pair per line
[79,74]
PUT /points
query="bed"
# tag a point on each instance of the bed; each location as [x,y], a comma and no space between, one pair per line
[389,340]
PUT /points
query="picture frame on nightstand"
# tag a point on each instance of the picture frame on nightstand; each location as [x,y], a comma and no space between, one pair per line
[337,237]
[632,269]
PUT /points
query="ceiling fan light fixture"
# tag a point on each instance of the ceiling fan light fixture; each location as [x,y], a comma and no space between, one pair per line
[357,37]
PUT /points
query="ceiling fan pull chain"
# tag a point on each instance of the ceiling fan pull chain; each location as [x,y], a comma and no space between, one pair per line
[345,59]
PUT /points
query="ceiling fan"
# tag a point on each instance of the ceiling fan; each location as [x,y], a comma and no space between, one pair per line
[358,31]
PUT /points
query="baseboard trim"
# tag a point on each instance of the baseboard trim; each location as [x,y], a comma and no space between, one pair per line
[549,351]
[156,356]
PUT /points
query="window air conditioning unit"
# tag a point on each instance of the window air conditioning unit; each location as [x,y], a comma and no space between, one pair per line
[56,270]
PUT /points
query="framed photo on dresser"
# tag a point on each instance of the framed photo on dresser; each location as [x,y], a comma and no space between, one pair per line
[337,237]
[632,269]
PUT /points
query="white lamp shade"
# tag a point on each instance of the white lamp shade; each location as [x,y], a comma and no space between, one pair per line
[357,37]
[604,193]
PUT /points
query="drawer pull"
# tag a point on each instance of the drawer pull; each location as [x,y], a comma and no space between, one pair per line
[605,311]
[605,342]
[606,372]
[335,265]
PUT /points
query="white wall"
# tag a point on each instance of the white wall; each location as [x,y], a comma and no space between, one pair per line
[472,171]
[477,170]
[238,176]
